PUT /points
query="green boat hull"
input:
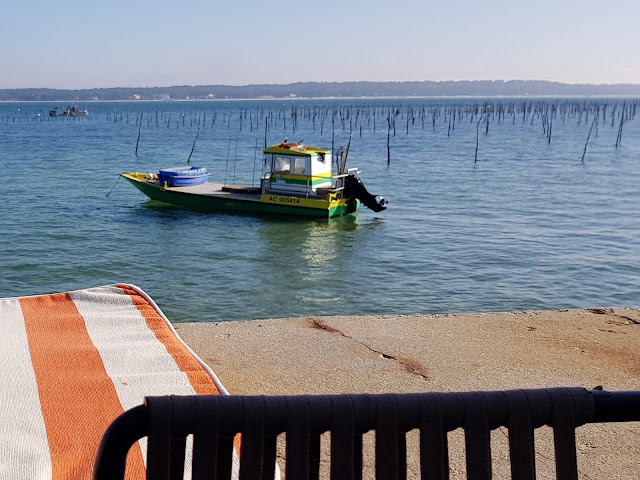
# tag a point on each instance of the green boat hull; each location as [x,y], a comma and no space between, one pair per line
[214,203]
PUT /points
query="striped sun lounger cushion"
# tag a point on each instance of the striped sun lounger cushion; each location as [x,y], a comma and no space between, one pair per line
[70,363]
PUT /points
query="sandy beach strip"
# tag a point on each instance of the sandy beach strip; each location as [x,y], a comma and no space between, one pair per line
[456,352]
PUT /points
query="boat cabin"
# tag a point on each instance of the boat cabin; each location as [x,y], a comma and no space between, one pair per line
[296,169]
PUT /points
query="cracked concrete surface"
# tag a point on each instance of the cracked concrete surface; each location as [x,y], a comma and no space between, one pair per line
[457,352]
[409,365]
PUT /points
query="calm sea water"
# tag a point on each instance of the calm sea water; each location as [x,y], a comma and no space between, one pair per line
[527,226]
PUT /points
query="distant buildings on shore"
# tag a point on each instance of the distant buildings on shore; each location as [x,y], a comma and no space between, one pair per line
[533,88]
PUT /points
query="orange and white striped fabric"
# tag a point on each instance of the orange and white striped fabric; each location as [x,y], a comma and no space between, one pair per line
[70,363]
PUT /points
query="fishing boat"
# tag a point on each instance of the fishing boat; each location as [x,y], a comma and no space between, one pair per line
[70,111]
[298,182]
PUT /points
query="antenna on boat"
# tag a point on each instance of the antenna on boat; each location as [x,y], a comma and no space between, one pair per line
[333,137]
[343,163]
[194,146]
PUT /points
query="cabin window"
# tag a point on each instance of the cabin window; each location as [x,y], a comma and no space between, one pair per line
[321,157]
[299,166]
[281,165]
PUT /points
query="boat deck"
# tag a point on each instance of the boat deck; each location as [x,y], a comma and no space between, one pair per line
[237,192]
[215,190]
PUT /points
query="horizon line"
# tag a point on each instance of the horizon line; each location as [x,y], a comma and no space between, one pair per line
[332,83]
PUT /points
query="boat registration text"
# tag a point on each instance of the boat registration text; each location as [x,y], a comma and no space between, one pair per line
[295,201]
[278,199]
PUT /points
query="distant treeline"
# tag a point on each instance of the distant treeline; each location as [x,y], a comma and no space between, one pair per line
[534,88]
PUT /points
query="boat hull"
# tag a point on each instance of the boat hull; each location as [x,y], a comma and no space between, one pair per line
[256,203]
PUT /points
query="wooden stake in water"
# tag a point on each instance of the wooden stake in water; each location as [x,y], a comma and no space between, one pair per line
[235,159]
[619,137]
[194,146]
[266,130]
[255,155]
[388,135]
[475,160]
[139,128]
[227,164]
[595,120]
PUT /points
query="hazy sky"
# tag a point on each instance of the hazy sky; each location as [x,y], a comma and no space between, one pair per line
[143,43]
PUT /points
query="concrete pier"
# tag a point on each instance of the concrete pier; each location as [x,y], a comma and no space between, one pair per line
[456,352]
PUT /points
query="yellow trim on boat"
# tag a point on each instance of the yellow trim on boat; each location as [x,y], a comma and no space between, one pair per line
[308,151]
[302,202]
[312,178]
[140,176]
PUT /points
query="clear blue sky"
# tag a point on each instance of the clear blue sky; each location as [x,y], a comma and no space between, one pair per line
[142,43]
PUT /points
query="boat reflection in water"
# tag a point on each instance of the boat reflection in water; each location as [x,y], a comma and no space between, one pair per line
[311,263]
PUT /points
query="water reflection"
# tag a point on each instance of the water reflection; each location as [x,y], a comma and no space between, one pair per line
[324,243]
[308,264]
[314,243]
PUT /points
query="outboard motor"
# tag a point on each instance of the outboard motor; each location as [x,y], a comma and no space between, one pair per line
[353,187]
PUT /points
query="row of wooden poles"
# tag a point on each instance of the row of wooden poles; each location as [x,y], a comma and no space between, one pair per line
[406,117]
[353,118]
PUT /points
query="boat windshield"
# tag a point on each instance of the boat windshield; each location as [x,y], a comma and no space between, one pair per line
[281,164]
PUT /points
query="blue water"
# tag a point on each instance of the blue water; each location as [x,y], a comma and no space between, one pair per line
[527,226]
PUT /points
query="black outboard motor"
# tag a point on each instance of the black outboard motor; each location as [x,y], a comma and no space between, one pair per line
[353,187]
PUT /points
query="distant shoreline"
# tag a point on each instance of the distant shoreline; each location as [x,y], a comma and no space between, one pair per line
[260,99]
[327,91]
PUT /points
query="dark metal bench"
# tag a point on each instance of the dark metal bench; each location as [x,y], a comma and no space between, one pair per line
[215,420]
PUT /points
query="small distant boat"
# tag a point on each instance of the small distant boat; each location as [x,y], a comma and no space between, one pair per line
[70,111]
[300,183]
